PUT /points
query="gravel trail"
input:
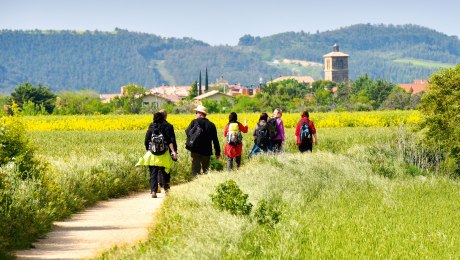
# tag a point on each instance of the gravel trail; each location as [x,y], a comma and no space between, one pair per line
[113,222]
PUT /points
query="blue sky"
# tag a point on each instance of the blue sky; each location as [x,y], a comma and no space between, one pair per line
[224,22]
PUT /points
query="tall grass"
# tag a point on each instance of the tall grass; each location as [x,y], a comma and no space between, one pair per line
[87,166]
[332,206]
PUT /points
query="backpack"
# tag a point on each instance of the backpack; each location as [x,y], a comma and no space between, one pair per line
[193,137]
[305,132]
[262,138]
[234,136]
[272,127]
[157,143]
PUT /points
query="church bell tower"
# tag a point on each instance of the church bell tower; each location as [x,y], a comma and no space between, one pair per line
[336,65]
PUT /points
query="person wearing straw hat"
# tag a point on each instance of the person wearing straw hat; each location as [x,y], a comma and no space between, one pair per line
[201,149]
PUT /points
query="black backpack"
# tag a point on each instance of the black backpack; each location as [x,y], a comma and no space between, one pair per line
[272,127]
[305,132]
[157,143]
[193,137]
[262,138]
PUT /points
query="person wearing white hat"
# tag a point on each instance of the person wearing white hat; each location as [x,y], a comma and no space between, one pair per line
[201,136]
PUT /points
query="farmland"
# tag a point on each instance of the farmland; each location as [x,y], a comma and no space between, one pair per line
[355,195]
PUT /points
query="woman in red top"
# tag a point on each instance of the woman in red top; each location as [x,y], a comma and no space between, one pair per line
[306,144]
[234,144]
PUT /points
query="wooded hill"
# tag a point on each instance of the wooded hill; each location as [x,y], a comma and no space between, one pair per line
[104,61]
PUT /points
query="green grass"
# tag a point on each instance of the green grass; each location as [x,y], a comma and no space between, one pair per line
[424,63]
[333,206]
[353,196]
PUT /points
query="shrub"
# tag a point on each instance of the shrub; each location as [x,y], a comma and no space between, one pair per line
[229,197]
[268,212]
[24,212]
[441,111]
[215,164]
[15,149]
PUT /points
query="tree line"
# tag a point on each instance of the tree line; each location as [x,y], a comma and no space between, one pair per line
[104,61]
[364,94]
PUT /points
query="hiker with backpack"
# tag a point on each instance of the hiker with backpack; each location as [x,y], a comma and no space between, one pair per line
[305,132]
[262,140]
[158,143]
[234,140]
[201,136]
[276,127]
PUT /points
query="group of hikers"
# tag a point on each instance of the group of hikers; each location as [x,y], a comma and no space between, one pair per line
[269,136]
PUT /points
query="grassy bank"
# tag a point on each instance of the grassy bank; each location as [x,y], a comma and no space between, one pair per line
[331,205]
[83,167]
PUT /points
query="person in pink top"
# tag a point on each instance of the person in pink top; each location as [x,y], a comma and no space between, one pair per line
[234,144]
[305,143]
[279,139]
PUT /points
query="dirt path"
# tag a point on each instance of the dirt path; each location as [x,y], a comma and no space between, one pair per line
[108,223]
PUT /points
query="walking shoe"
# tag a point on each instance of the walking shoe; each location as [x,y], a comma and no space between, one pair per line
[154,195]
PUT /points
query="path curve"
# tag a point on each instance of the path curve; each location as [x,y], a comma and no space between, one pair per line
[113,222]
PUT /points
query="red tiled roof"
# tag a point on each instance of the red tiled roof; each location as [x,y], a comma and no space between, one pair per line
[416,87]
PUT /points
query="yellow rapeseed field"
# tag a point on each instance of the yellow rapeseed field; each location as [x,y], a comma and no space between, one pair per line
[181,121]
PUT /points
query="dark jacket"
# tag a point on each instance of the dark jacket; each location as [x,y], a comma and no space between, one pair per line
[164,129]
[207,138]
[170,131]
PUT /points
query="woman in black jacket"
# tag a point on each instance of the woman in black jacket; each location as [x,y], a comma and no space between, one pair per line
[158,141]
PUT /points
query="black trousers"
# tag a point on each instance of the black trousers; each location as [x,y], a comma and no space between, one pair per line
[200,162]
[277,146]
[158,175]
[304,147]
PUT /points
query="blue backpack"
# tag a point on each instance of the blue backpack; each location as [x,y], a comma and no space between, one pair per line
[305,132]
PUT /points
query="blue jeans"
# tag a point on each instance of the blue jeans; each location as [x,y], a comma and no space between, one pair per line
[256,149]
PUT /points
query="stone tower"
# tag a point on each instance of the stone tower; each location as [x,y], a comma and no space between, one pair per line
[336,65]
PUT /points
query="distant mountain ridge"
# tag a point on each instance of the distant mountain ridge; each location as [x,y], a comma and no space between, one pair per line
[104,61]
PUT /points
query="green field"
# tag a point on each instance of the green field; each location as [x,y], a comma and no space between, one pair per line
[424,63]
[353,197]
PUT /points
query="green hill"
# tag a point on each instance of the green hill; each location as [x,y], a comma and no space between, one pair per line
[104,61]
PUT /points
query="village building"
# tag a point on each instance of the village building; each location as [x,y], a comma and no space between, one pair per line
[336,65]
[155,100]
[237,89]
[418,86]
[212,95]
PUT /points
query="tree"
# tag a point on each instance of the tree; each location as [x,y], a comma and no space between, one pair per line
[80,102]
[206,86]
[225,104]
[440,108]
[40,96]
[374,91]
[211,105]
[131,101]
[193,91]
[398,99]
[245,103]
[199,85]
